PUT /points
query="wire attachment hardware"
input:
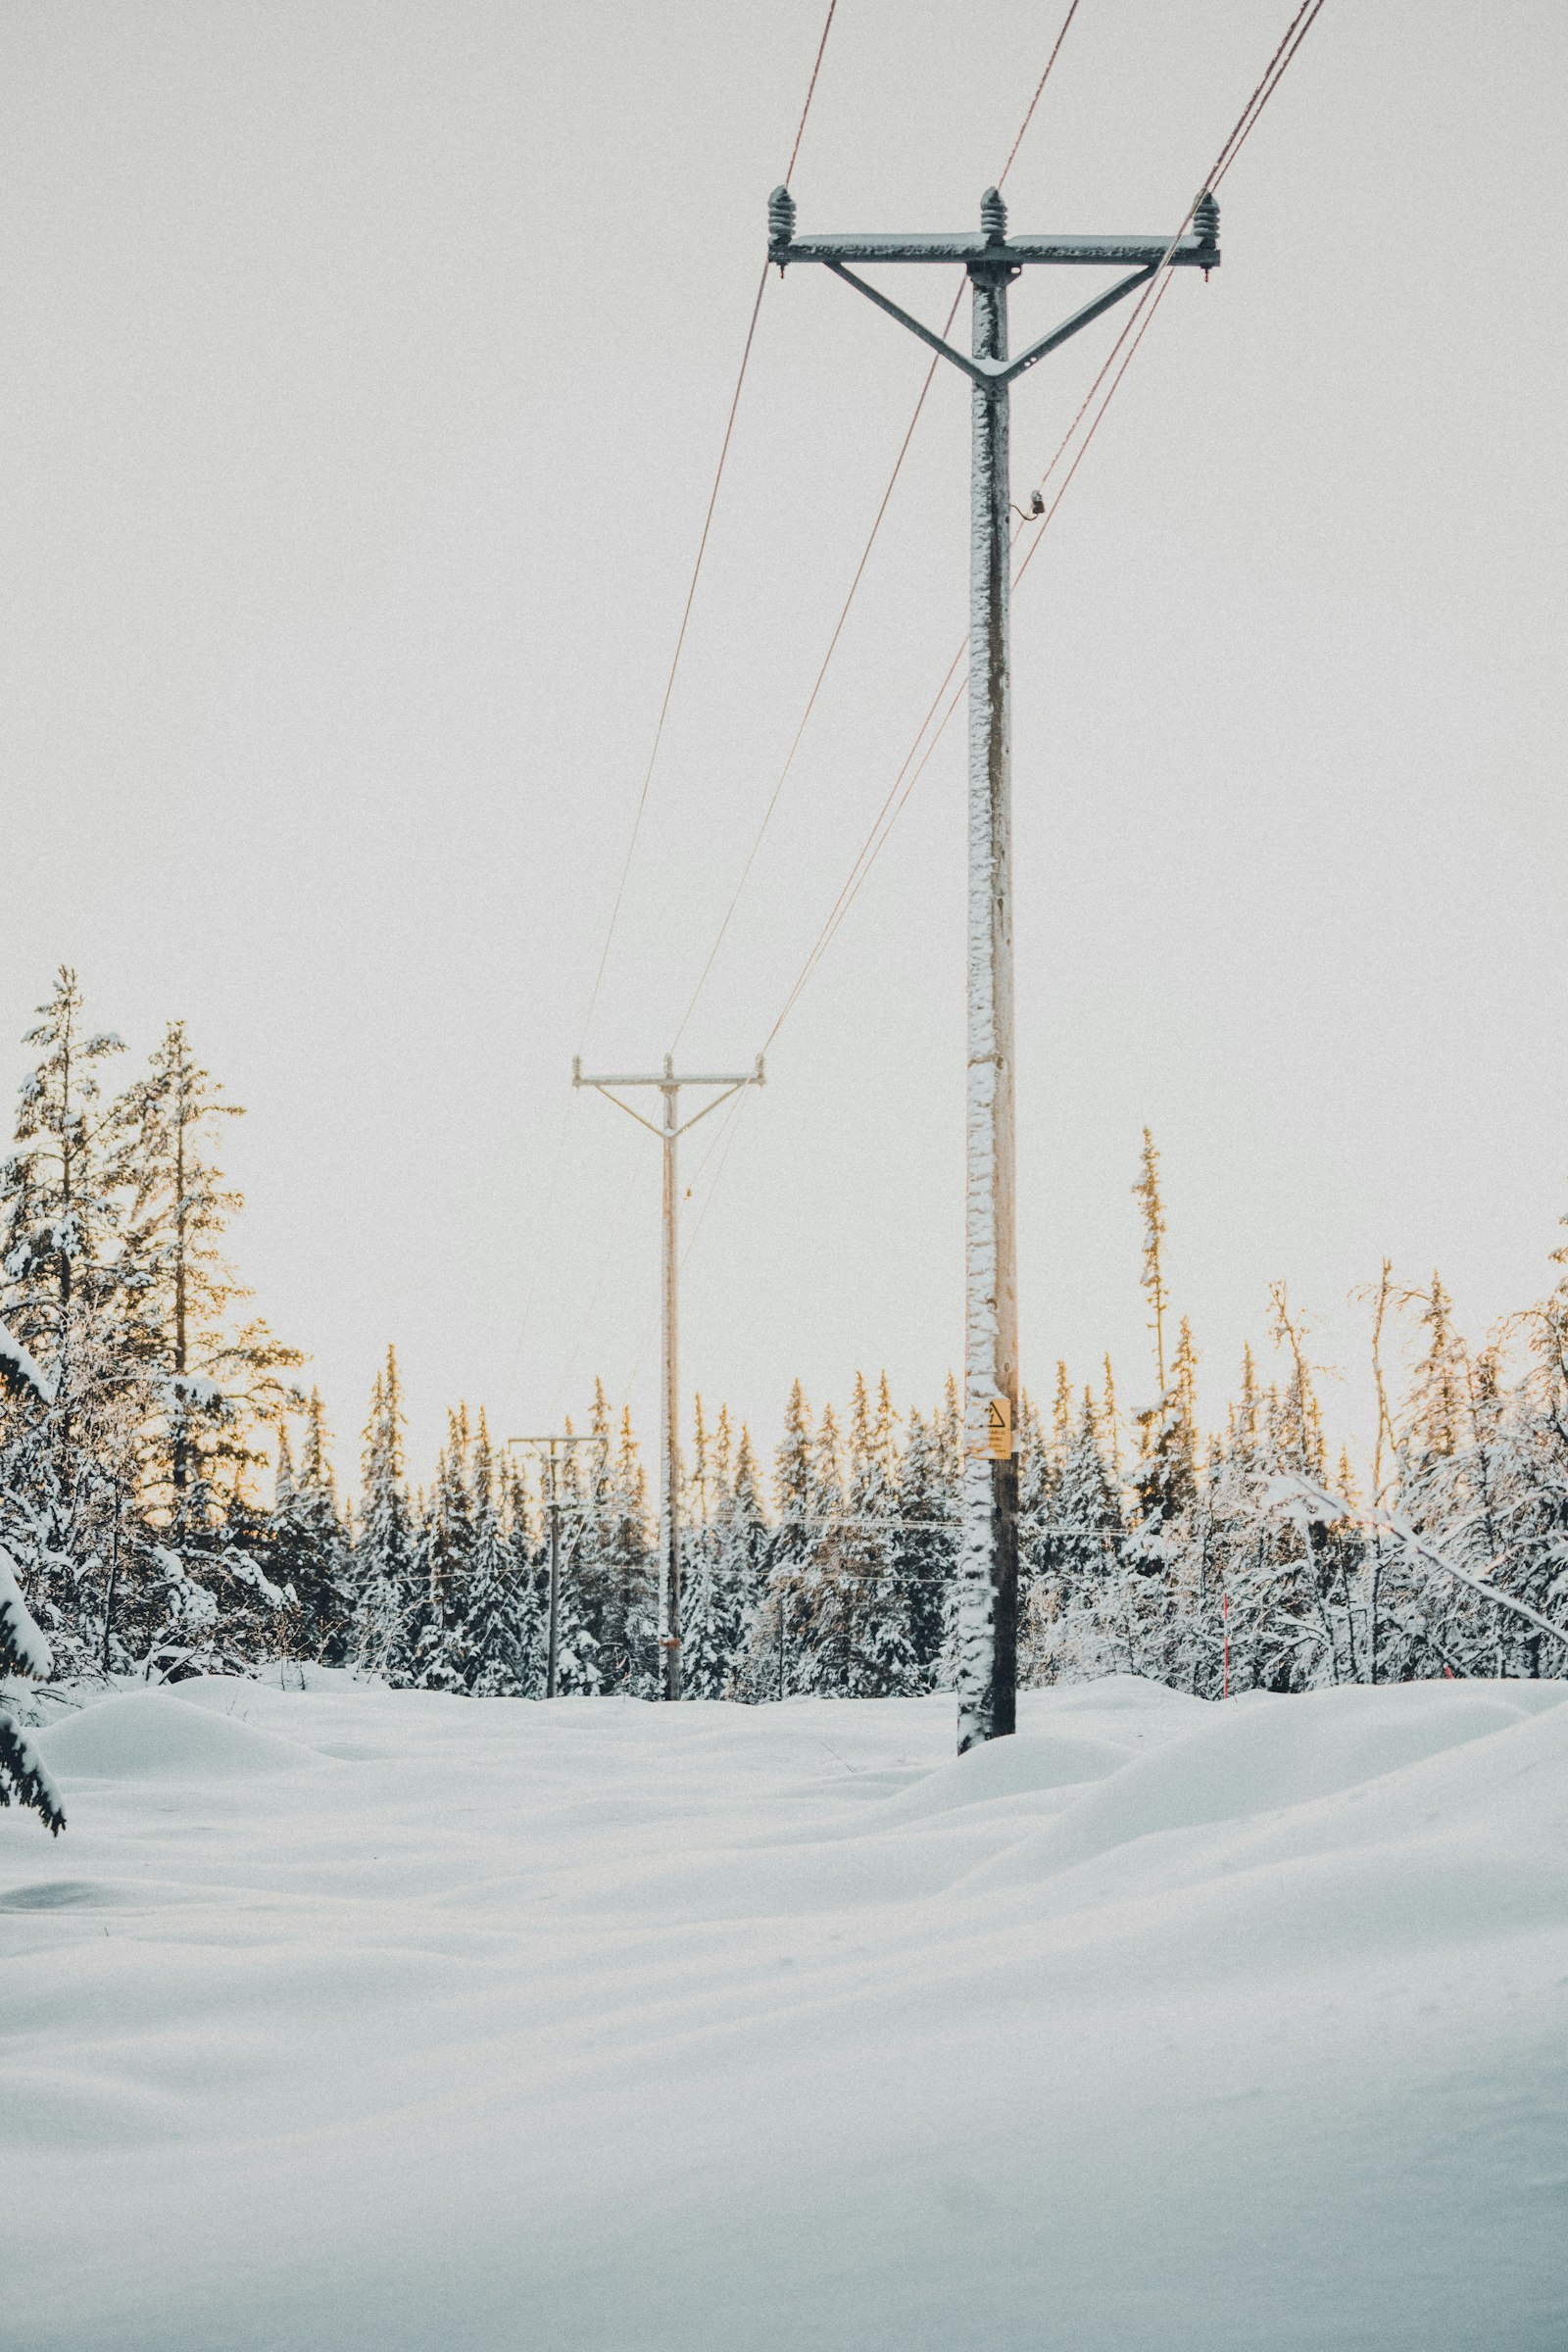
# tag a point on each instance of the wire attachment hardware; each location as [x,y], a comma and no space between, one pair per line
[780,223]
[994,217]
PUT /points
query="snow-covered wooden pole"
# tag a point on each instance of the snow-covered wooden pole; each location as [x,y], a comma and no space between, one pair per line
[670,1128]
[988,1558]
[669,1407]
[988,1554]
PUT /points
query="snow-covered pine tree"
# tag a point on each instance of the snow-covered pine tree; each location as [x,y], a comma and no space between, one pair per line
[1042,1587]
[629,1627]
[817,1652]
[527,1550]
[1299,1640]
[585,1543]
[219,1384]
[878,1634]
[927,1539]
[1483,1476]
[67,1463]
[705,1634]
[25,1777]
[860,1642]
[743,1563]
[1037,1489]
[772,1662]
[493,1628]
[444,1565]
[1145,1192]
[1111,1431]
[1165,1478]
[308,1552]
[1165,1541]
[384,1566]
[589,1540]
[1078,1619]
[58,1188]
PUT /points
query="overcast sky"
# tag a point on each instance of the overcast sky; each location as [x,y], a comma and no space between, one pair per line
[365,368]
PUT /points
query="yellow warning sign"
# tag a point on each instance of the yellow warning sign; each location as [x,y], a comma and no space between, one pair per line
[999,1429]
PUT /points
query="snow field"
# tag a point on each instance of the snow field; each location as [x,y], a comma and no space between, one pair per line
[350,2018]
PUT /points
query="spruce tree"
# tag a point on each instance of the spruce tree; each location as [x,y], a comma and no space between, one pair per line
[1147,1194]
[216,1382]
[493,1629]
[706,1630]
[386,1597]
[742,1568]
[309,1553]
[528,1555]
[1092,1633]
[67,1457]
[927,1539]
[861,1634]
[444,1566]
[1165,1479]
[25,1777]
[628,1658]
[772,1666]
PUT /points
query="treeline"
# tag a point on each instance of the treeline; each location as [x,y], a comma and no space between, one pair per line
[169,1504]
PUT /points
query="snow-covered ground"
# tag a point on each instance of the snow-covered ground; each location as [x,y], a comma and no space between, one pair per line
[345,2018]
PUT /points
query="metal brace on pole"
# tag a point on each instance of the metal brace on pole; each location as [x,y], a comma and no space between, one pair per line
[988,1560]
[669,1131]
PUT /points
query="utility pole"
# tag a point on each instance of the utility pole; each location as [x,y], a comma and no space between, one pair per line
[669,1130]
[988,1560]
[568,1439]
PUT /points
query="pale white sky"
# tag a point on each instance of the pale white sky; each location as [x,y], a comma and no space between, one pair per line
[365,368]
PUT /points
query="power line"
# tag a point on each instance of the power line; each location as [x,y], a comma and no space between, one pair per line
[892,806]
[810,88]
[1135,327]
[860,568]
[1029,112]
[702,550]
[916,760]
[664,711]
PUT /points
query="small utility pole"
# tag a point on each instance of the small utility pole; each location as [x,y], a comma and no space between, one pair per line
[669,1131]
[988,1562]
[568,1439]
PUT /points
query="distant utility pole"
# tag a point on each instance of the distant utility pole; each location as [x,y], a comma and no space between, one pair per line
[988,1564]
[568,1439]
[669,1132]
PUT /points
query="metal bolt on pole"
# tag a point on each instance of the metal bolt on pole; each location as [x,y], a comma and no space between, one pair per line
[670,1129]
[568,1439]
[988,1560]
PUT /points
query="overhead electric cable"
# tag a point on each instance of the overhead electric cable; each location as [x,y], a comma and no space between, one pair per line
[860,568]
[909,776]
[1040,85]
[697,567]
[916,760]
[664,711]
[1134,328]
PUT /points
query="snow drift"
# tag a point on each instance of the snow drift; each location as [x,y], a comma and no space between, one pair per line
[353,2019]
[153,1734]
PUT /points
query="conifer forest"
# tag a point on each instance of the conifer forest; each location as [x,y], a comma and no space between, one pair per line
[169,1504]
